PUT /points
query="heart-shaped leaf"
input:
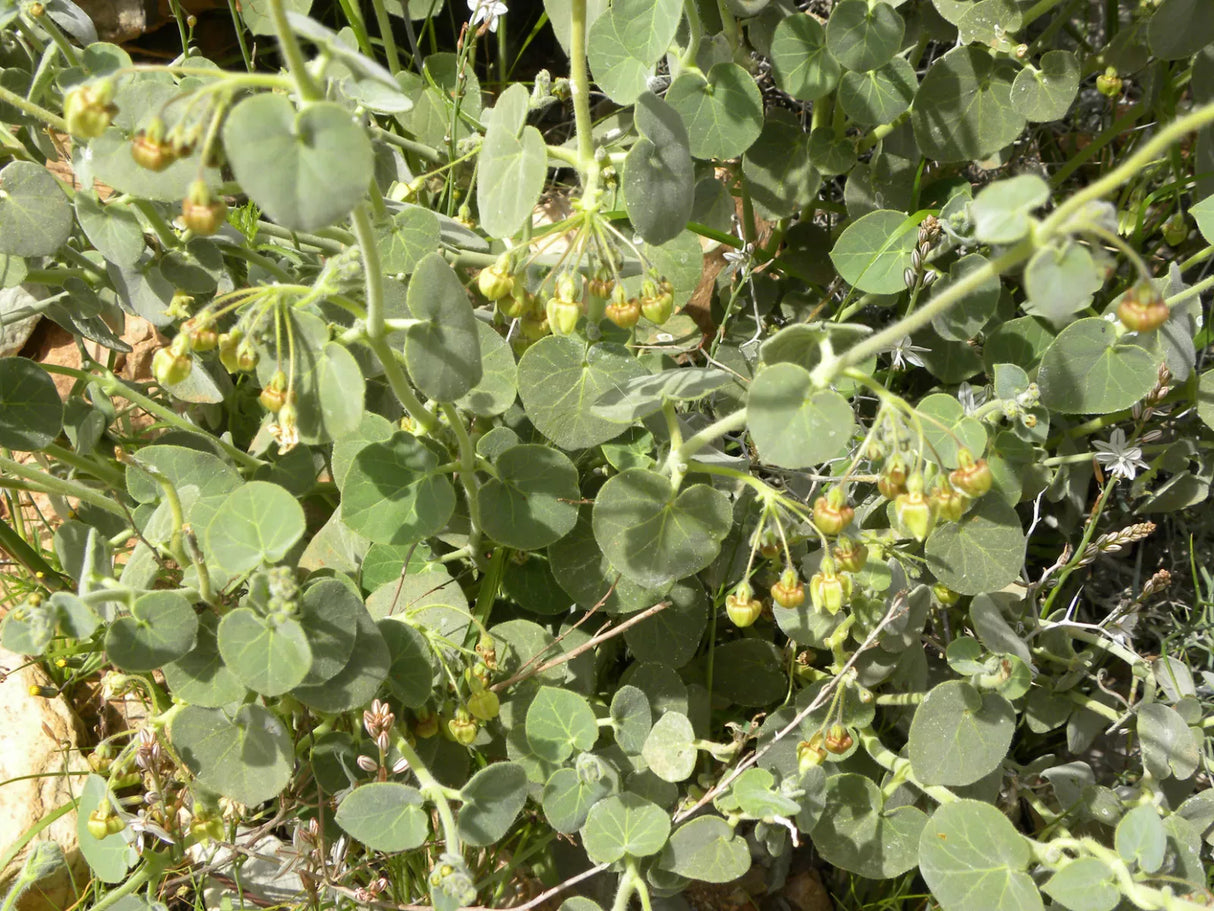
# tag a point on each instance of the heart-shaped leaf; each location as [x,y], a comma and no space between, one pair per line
[385,816]
[655,535]
[268,655]
[247,757]
[161,627]
[306,169]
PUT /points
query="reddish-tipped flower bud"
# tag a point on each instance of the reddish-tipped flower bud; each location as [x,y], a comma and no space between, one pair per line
[788,591]
[831,513]
[1143,309]
[850,554]
[973,478]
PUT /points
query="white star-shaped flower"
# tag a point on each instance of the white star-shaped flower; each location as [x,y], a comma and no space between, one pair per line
[1120,460]
[903,353]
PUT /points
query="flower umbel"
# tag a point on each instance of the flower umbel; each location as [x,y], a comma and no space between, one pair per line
[1120,459]
[486,11]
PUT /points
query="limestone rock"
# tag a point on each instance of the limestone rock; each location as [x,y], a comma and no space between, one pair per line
[40,739]
[15,329]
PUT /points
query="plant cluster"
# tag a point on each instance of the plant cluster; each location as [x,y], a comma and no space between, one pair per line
[446,544]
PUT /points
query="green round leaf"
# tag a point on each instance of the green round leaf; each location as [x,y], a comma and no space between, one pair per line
[498,386]
[443,353]
[624,825]
[1179,29]
[971,856]
[802,65]
[654,535]
[161,627]
[111,857]
[777,166]
[200,677]
[874,250]
[1002,211]
[269,656]
[959,734]
[305,169]
[1085,884]
[672,636]
[559,378]
[669,749]
[863,36]
[1060,282]
[794,425]
[411,673]
[627,41]
[723,114]
[406,239]
[359,680]
[1168,745]
[492,801]
[328,614]
[1089,370]
[982,552]
[559,721]
[532,501]
[856,832]
[946,428]
[385,816]
[1140,838]
[256,523]
[392,493]
[632,718]
[31,412]
[568,797]
[658,178]
[963,110]
[974,309]
[35,216]
[705,849]
[247,757]
[1045,94]
[878,96]
[749,672]
[586,576]
[513,165]
[112,229]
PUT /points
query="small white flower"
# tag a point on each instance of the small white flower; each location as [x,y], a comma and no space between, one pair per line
[970,398]
[739,259]
[486,11]
[903,353]
[1121,460]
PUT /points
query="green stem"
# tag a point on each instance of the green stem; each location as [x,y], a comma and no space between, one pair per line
[153,865]
[385,32]
[20,551]
[48,483]
[831,367]
[305,85]
[579,87]
[112,385]
[54,121]
[1057,222]
[433,791]
[731,423]
[900,766]
[467,472]
[107,474]
[1088,532]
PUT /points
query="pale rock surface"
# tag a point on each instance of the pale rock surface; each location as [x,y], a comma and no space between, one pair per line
[15,329]
[40,739]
